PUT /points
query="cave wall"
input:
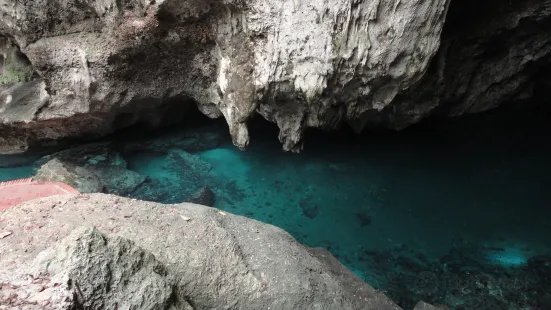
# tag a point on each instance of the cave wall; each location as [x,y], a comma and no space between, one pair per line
[104,65]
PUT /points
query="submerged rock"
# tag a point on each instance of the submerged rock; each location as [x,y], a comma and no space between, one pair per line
[181,177]
[299,64]
[93,168]
[77,177]
[204,196]
[309,209]
[191,140]
[151,256]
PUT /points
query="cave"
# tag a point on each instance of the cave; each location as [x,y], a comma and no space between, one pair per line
[425,173]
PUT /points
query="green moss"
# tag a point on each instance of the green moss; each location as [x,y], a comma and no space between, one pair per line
[16,69]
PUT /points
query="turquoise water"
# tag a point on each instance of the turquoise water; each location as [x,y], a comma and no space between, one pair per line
[470,198]
[14,173]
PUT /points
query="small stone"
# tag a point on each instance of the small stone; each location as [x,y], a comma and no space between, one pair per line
[5,234]
[185,218]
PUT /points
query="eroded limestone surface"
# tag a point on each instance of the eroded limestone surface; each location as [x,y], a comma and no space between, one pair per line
[104,65]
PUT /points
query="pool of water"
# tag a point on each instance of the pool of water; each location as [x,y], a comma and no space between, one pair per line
[468,200]
[14,173]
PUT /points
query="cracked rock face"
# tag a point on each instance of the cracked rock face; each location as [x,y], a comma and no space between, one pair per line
[150,256]
[104,65]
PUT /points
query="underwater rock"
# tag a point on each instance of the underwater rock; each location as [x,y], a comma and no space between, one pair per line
[464,278]
[213,260]
[187,163]
[364,219]
[205,197]
[308,208]
[182,177]
[92,168]
[424,306]
[191,140]
[77,177]
[118,180]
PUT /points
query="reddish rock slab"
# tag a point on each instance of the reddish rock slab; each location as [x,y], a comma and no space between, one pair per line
[16,192]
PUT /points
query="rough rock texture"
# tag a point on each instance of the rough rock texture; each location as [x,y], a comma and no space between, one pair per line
[150,256]
[497,57]
[107,64]
[91,168]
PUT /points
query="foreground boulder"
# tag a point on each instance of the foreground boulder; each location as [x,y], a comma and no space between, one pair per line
[104,252]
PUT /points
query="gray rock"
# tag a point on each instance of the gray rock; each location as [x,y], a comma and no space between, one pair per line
[424,306]
[106,65]
[301,64]
[93,168]
[204,196]
[77,177]
[107,273]
[148,256]
[191,140]
[182,178]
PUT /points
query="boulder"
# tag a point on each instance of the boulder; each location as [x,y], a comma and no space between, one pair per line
[93,168]
[77,177]
[204,196]
[143,255]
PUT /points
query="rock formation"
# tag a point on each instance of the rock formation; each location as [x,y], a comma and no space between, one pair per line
[91,168]
[107,252]
[85,69]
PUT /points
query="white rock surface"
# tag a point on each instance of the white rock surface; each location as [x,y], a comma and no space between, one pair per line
[299,63]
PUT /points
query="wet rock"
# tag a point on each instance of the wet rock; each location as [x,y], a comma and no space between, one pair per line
[191,140]
[205,197]
[118,180]
[90,168]
[78,177]
[363,218]
[215,260]
[424,306]
[308,208]
[183,177]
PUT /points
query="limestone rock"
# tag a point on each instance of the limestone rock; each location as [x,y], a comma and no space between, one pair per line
[106,273]
[146,256]
[204,196]
[192,140]
[424,306]
[107,65]
[93,168]
[77,177]
[102,66]
[182,177]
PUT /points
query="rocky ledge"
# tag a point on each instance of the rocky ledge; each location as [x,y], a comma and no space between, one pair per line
[80,69]
[106,252]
